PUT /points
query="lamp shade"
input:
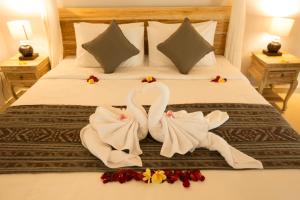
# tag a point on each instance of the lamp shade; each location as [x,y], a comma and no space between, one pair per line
[20,29]
[281,26]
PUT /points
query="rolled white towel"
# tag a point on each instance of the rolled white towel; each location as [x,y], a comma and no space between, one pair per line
[182,132]
[118,128]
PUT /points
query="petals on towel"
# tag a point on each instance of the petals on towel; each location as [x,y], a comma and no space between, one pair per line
[182,132]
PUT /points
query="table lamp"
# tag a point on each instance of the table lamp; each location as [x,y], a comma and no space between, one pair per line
[280,27]
[21,30]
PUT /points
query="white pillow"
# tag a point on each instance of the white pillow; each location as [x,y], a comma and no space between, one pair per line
[159,32]
[85,32]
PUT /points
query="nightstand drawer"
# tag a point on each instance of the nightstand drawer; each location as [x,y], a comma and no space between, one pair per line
[281,76]
[25,83]
[20,76]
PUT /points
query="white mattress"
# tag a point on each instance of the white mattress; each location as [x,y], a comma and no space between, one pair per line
[66,85]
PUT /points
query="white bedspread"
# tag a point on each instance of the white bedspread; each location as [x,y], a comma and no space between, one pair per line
[66,85]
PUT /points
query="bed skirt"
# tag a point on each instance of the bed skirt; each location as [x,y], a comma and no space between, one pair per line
[45,138]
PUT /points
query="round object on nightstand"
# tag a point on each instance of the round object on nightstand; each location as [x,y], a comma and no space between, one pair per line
[273,47]
[26,50]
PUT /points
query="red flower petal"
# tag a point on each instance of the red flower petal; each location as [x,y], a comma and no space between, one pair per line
[194,177]
[138,177]
[105,181]
[95,79]
[186,183]
[202,178]
[173,178]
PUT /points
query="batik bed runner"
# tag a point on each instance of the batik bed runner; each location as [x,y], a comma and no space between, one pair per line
[46,138]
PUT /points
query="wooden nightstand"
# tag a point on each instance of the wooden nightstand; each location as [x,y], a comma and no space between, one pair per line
[24,73]
[269,71]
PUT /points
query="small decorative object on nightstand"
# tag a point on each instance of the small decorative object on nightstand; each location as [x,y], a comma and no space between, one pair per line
[24,73]
[21,30]
[280,27]
[269,71]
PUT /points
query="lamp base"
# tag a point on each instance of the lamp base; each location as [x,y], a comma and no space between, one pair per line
[272,53]
[34,56]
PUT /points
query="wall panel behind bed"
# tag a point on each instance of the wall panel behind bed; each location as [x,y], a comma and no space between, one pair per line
[68,16]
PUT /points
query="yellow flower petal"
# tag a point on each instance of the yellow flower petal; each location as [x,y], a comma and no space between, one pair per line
[149,78]
[158,177]
[147,172]
[147,175]
[91,81]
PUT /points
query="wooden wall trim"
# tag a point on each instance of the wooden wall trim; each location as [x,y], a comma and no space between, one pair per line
[68,16]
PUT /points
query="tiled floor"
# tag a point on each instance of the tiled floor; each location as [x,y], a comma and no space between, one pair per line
[292,114]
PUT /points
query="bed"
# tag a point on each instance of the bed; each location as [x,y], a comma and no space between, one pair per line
[278,182]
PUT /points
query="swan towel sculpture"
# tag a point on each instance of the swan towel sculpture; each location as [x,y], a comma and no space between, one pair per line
[180,132]
[119,129]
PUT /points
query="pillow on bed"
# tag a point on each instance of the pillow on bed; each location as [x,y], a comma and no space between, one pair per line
[85,32]
[185,47]
[111,48]
[159,32]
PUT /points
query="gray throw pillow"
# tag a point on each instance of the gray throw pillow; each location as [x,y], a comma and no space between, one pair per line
[185,47]
[111,48]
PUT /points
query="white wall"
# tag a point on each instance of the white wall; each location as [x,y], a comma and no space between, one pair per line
[293,41]
[3,47]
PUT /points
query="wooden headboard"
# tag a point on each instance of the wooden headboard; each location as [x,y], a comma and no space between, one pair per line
[143,14]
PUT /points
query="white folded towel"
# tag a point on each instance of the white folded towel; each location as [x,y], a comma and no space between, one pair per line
[182,132]
[118,128]
[111,158]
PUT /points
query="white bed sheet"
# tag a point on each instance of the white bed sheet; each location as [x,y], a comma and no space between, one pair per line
[66,85]
[67,69]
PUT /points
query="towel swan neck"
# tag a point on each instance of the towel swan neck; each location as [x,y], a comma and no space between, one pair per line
[157,108]
[139,112]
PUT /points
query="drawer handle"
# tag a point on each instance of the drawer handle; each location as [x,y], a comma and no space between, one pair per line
[282,75]
[21,77]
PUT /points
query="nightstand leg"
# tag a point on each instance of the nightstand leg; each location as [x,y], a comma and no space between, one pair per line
[261,87]
[13,92]
[289,94]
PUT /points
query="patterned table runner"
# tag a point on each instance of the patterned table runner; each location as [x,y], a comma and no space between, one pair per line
[45,138]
